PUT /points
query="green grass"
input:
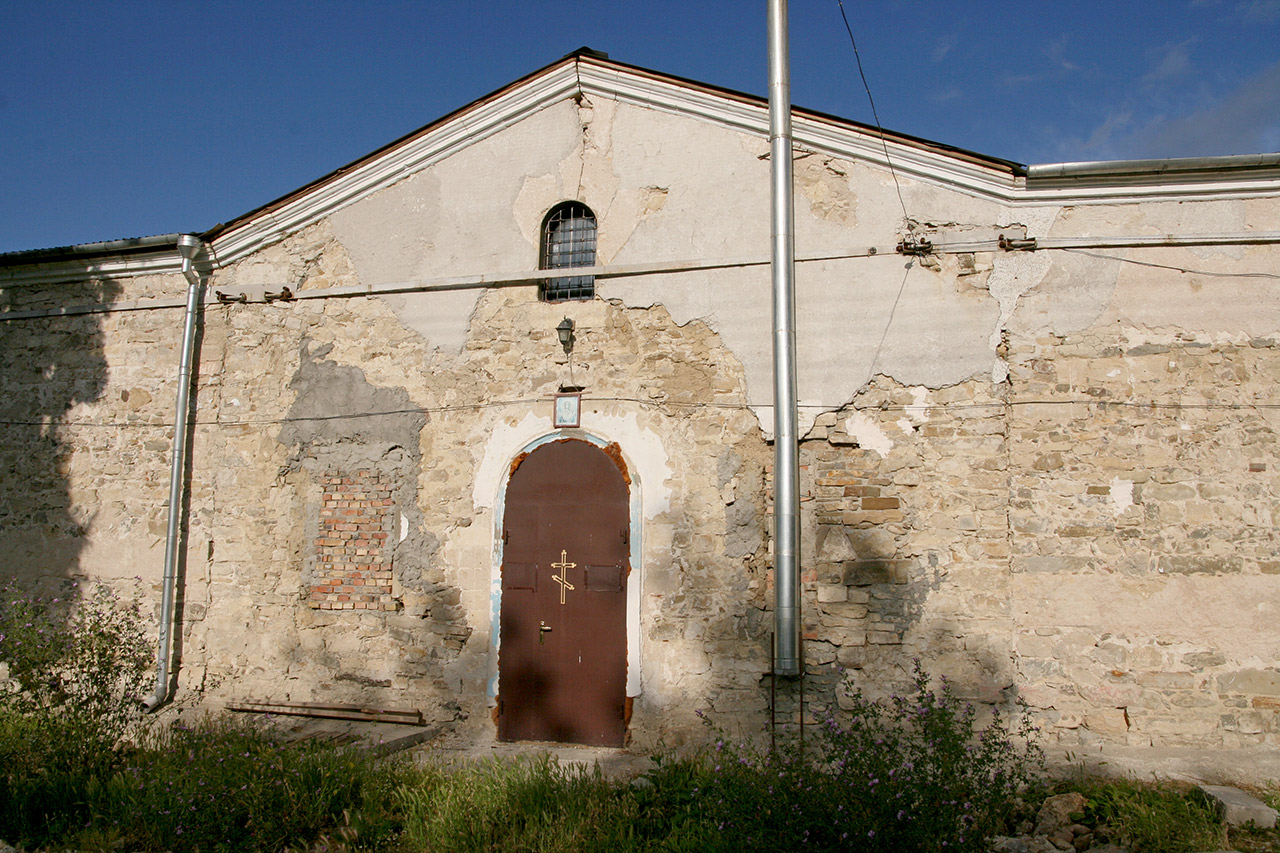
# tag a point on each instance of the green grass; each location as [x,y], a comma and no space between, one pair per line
[1152,818]
[225,786]
[1168,817]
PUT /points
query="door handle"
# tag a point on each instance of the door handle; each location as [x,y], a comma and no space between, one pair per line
[543,628]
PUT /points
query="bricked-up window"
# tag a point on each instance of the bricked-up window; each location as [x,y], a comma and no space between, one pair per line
[568,240]
[353,545]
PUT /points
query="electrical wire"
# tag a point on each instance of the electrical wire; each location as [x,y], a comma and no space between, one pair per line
[927,408]
[874,114]
[1185,270]
[875,359]
[976,246]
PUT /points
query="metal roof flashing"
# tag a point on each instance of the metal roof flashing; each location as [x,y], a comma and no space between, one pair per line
[1171,170]
[81,251]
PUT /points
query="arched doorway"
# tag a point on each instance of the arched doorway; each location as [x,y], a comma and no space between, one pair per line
[562,661]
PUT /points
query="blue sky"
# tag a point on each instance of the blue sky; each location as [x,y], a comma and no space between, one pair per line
[122,119]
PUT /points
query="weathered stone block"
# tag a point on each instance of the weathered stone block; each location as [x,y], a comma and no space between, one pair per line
[867,572]
[1051,563]
[1236,808]
[1167,680]
[828,593]
[1201,660]
[1168,492]
[1245,722]
[1257,681]
[1200,564]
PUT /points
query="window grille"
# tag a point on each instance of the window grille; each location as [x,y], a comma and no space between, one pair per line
[568,240]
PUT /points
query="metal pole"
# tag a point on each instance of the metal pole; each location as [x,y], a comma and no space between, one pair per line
[786,481]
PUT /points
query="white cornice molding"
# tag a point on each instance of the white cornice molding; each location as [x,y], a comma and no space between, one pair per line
[825,135]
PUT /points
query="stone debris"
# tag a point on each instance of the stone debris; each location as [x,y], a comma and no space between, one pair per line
[1045,844]
[1236,808]
[1058,813]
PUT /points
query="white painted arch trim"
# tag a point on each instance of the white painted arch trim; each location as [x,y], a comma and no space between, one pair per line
[510,440]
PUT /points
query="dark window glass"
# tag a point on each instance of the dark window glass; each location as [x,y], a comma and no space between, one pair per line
[568,240]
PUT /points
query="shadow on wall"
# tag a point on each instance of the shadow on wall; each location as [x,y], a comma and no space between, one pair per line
[865,625]
[49,367]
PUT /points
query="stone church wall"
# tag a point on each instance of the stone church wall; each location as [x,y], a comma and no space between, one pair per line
[1093,537]
[1050,477]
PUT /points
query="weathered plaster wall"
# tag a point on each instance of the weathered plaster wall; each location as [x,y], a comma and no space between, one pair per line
[1049,475]
[86,412]
[327,386]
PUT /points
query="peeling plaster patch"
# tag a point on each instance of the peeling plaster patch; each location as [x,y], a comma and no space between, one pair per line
[326,390]
[404,527]
[1015,273]
[933,333]
[1073,295]
[827,190]
[506,439]
[655,198]
[806,416]
[868,433]
[643,448]
[441,317]
[536,196]
[1121,495]
[917,413]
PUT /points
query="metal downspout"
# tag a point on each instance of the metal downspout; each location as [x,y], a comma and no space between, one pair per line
[786,483]
[188,247]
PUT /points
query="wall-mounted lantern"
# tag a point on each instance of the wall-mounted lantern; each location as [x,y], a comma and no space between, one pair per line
[565,332]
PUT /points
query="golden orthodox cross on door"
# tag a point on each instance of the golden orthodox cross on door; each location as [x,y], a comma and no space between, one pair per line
[563,566]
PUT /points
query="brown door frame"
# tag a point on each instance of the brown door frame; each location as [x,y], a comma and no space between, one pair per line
[634,582]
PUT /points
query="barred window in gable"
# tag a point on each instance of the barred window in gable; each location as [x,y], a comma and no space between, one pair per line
[568,240]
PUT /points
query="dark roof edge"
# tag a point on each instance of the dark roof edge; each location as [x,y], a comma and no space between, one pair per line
[1018,169]
[127,246]
[223,227]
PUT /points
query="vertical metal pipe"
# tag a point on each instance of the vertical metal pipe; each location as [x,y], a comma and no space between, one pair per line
[786,479]
[188,246]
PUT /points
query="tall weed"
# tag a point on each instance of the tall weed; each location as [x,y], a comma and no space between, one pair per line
[73,671]
[88,659]
[234,786]
[912,773]
[1153,818]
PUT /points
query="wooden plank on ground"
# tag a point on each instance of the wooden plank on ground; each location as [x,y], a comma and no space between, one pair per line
[358,713]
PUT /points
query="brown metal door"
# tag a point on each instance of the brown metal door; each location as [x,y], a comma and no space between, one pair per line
[562,661]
